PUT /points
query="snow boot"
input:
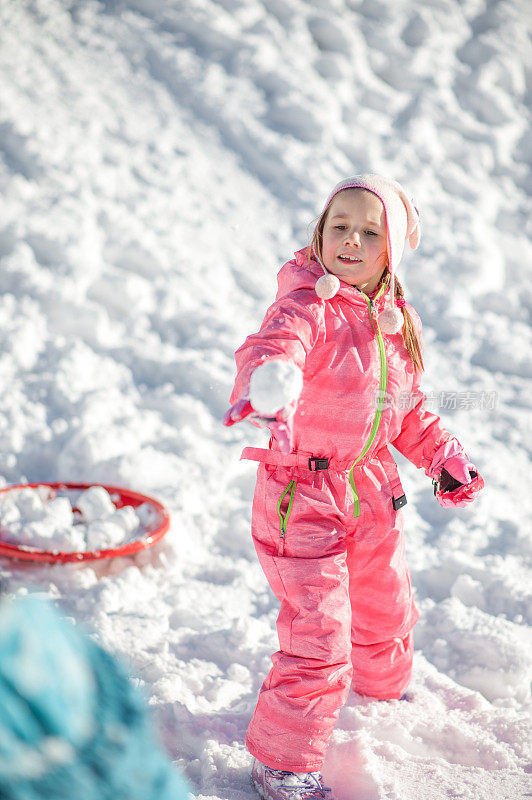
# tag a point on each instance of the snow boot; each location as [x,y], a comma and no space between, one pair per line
[278,784]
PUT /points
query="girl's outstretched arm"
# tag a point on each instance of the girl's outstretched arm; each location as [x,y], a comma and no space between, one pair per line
[288,332]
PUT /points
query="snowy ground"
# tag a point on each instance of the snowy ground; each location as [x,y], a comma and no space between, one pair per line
[158,162]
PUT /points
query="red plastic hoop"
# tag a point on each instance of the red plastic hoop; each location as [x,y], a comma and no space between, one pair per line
[120,497]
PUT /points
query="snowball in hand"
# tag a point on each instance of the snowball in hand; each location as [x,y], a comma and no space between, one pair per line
[274,385]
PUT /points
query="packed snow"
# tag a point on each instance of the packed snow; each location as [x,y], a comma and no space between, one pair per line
[159,161]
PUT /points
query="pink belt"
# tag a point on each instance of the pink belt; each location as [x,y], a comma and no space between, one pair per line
[304,460]
[315,463]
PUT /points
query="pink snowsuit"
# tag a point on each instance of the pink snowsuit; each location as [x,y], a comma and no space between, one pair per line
[329,534]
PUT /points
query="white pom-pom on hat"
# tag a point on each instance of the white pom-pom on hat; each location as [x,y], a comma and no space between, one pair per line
[391,320]
[327,286]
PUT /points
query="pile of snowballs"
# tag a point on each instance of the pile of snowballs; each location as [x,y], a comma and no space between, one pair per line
[70,521]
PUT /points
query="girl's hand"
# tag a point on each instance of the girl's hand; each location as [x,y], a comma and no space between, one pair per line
[271,400]
[238,412]
[456,480]
[451,492]
[280,425]
[460,468]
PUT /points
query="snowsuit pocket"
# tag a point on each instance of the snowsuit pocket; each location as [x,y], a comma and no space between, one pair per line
[284,507]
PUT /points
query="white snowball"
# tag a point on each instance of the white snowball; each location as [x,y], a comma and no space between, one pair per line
[69,540]
[102,534]
[147,515]
[45,492]
[274,385]
[9,512]
[47,534]
[126,518]
[95,503]
[58,512]
[30,504]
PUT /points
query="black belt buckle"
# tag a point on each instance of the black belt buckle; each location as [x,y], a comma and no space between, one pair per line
[319,463]
[399,502]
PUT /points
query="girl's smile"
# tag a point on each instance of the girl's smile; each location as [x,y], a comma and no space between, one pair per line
[349,259]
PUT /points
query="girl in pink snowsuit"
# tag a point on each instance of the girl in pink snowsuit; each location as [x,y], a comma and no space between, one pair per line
[327,524]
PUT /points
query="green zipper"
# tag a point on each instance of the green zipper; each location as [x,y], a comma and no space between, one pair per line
[284,519]
[380,404]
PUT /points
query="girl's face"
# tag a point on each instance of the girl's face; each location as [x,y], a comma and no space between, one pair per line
[354,238]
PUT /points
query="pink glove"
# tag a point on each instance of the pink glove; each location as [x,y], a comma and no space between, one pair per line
[444,453]
[238,412]
[452,495]
[281,426]
[456,480]
[459,467]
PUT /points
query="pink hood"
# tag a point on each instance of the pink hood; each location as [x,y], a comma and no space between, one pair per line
[300,273]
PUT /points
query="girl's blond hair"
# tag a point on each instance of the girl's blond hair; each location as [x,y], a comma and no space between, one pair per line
[410,337]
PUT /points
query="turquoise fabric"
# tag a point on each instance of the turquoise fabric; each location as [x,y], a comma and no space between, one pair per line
[71,724]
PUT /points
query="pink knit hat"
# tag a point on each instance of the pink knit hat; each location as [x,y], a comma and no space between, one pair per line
[402,223]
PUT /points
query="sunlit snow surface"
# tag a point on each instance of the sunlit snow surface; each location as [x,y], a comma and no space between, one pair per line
[158,162]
